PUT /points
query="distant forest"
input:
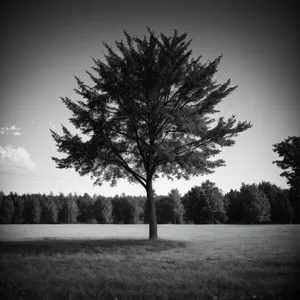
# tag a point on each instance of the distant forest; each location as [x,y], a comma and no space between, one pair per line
[205,204]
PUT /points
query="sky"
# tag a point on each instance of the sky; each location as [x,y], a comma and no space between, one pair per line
[44,44]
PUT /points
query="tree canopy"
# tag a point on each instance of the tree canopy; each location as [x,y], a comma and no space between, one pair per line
[255,204]
[147,115]
[204,203]
[289,151]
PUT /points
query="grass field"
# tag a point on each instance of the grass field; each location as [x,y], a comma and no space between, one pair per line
[118,262]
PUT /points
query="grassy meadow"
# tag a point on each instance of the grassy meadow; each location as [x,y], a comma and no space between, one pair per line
[118,262]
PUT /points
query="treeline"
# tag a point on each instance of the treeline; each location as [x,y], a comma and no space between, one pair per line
[204,204]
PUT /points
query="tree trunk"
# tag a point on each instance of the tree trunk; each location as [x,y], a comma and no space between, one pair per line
[152,212]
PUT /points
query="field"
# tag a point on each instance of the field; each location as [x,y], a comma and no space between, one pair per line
[118,262]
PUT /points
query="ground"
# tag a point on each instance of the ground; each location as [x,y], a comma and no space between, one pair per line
[118,262]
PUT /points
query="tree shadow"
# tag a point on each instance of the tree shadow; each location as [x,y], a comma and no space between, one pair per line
[67,246]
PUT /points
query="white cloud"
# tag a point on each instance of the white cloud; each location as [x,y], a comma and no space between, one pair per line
[14,128]
[32,122]
[52,125]
[10,130]
[11,158]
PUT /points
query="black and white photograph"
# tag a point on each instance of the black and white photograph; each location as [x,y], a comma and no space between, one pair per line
[149,150]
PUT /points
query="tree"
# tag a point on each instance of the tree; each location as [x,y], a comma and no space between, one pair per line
[140,202]
[287,211]
[177,207]
[164,210]
[69,211]
[125,210]
[85,208]
[6,210]
[60,202]
[204,204]
[102,210]
[234,209]
[281,209]
[18,208]
[49,212]
[18,217]
[289,151]
[133,210]
[147,115]
[1,205]
[256,206]
[294,196]
[1,197]
[194,204]
[169,209]
[32,209]
[214,199]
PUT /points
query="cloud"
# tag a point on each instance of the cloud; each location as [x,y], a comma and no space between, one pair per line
[10,130]
[32,122]
[15,159]
[14,128]
[51,124]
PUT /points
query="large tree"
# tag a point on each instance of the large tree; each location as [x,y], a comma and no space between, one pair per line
[148,114]
[289,152]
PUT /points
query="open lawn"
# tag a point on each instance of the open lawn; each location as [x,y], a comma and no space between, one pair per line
[118,262]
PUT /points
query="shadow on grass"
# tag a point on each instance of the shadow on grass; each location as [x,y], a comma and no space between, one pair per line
[63,246]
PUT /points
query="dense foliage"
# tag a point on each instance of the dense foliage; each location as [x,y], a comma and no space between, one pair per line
[205,204]
[126,210]
[32,209]
[289,152]
[255,205]
[85,207]
[234,210]
[280,205]
[102,210]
